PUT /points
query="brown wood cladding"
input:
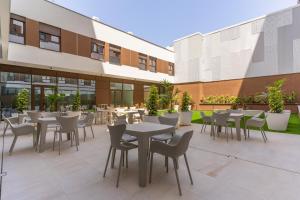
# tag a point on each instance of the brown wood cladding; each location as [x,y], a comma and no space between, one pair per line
[162,66]
[106,52]
[134,57]
[125,57]
[69,42]
[84,46]
[32,33]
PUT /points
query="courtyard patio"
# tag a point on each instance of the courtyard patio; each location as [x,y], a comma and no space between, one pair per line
[247,169]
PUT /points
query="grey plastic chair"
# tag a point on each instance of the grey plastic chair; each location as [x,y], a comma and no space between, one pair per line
[141,115]
[257,122]
[87,122]
[172,121]
[174,149]
[68,125]
[19,130]
[207,120]
[220,119]
[116,133]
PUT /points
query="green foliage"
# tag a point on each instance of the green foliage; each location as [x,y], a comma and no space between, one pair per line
[290,97]
[186,102]
[220,100]
[152,102]
[76,101]
[22,100]
[261,98]
[169,97]
[53,99]
[275,96]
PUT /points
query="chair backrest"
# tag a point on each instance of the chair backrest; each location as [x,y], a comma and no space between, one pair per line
[50,114]
[120,120]
[67,123]
[203,115]
[172,121]
[235,111]
[89,119]
[73,113]
[34,116]
[172,115]
[11,121]
[182,142]
[258,115]
[141,113]
[221,118]
[116,133]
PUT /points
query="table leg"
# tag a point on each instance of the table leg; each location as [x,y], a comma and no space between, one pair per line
[143,149]
[41,130]
[238,128]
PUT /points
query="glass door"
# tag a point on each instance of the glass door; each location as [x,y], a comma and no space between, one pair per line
[40,97]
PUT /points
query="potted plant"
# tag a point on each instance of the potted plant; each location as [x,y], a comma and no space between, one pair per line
[186,113]
[152,105]
[22,101]
[76,104]
[53,99]
[169,96]
[277,118]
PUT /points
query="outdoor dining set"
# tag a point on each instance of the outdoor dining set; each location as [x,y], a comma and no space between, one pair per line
[129,129]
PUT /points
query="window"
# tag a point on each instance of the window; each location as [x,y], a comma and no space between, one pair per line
[121,94]
[171,69]
[49,37]
[17,29]
[114,54]
[152,64]
[97,51]
[146,92]
[143,61]
[44,80]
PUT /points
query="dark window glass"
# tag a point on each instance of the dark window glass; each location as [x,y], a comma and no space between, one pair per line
[97,51]
[152,64]
[16,31]
[48,41]
[121,94]
[114,54]
[44,80]
[171,70]
[143,61]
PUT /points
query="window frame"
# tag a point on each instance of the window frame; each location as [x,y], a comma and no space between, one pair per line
[151,66]
[143,57]
[172,71]
[116,49]
[40,40]
[19,19]
[98,44]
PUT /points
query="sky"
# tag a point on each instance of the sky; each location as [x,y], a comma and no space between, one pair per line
[163,21]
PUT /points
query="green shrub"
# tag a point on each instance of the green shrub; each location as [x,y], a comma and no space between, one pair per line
[290,98]
[152,102]
[54,99]
[261,98]
[22,100]
[221,100]
[275,96]
[76,101]
[169,97]
[186,102]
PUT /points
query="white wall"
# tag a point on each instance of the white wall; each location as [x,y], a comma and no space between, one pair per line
[49,13]
[265,46]
[4,26]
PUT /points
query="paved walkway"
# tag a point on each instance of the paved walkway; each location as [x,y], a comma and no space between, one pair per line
[248,170]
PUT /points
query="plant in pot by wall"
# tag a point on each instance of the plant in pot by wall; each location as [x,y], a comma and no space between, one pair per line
[76,102]
[54,99]
[186,114]
[22,101]
[277,118]
[152,105]
[169,96]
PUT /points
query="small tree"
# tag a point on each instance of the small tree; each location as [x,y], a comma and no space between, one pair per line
[152,101]
[275,96]
[169,96]
[22,100]
[186,101]
[76,102]
[54,99]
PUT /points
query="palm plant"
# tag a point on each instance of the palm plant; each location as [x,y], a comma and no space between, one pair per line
[169,96]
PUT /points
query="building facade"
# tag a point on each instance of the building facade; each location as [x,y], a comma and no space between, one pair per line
[242,59]
[46,46]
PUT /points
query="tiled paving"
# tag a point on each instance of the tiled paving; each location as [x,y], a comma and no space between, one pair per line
[235,170]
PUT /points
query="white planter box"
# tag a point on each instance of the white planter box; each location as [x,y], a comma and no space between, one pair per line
[152,119]
[186,118]
[278,121]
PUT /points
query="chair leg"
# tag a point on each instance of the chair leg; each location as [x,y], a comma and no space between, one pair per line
[92,131]
[71,137]
[176,174]
[123,160]
[76,138]
[263,135]
[205,127]
[120,166]
[60,141]
[113,158]
[54,138]
[13,144]
[107,161]
[84,134]
[202,128]
[231,132]
[167,164]
[248,132]
[226,132]
[126,154]
[151,164]
[188,168]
